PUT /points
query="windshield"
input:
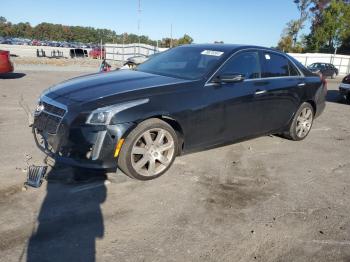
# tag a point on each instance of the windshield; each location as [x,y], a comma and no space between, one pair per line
[187,62]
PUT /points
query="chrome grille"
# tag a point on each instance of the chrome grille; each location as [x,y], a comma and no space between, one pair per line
[54,109]
[50,118]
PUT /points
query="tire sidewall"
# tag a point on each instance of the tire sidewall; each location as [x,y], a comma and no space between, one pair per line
[124,160]
[293,126]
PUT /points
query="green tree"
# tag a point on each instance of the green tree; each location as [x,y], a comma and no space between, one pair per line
[285,44]
[58,32]
[304,10]
[186,39]
[331,27]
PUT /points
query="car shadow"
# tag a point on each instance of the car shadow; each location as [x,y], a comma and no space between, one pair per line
[12,75]
[70,218]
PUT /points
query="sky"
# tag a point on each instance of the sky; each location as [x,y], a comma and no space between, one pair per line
[256,22]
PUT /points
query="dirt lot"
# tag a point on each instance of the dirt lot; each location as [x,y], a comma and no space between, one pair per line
[267,199]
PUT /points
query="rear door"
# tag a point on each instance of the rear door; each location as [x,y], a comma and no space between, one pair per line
[282,84]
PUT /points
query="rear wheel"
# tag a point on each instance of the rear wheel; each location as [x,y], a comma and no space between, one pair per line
[302,123]
[149,150]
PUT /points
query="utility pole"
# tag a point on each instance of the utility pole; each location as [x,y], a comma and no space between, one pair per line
[139,22]
[101,53]
[171,35]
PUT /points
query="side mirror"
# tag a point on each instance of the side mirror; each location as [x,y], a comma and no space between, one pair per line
[229,78]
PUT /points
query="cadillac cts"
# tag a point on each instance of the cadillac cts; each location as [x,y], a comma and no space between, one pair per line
[186,99]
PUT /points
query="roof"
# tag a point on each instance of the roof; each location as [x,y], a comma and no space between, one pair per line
[227,47]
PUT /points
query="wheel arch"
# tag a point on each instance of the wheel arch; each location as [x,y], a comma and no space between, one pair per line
[175,124]
[177,127]
[313,104]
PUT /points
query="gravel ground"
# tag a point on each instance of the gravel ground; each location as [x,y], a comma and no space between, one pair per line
[267,199]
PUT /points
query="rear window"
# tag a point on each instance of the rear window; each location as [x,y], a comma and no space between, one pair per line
[275,65]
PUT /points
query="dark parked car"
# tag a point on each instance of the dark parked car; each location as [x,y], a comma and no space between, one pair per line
[344,88]
[325,69]
[78,52]
[183,100]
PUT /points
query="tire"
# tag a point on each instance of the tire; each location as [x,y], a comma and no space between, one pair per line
[302,120]
[141,156]
[334,75]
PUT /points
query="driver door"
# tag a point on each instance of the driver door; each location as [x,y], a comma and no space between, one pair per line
[231,111]
[243,101]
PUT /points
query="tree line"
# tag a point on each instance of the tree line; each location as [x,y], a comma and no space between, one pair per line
[58,32]
[329,32]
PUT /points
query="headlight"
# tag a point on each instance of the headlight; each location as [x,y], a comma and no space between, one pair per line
[98,118]
[103,116]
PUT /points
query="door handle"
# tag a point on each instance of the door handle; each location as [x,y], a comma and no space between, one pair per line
[301,84]
[259,92]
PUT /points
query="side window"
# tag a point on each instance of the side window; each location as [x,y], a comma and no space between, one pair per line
[292,70]
[245,63]
[275,65]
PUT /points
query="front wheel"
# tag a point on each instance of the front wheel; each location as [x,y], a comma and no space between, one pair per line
[334,75]
[301,123]
[149,150]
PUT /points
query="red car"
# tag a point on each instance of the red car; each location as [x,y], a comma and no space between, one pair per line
[97,53]
[6,65]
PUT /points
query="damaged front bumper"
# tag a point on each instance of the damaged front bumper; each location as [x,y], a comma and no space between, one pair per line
[84,146]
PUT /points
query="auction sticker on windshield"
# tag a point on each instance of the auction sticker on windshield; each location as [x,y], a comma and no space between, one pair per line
[212,53]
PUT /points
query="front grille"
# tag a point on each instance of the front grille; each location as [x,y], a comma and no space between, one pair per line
[49,119]
[47,122]
[54,109]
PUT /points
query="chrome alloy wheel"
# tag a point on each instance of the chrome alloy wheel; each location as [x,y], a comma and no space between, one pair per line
[152,152]
[304,122]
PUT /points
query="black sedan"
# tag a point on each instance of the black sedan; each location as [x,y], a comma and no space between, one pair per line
[344,88]
[326,69]
[187,99]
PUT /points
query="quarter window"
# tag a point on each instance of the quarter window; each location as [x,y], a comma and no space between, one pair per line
[245,63]
[292,70]
[275,65]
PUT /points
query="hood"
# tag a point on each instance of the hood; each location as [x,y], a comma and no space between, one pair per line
[97,86]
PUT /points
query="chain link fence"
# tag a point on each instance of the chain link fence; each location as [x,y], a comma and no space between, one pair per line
[120,52]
